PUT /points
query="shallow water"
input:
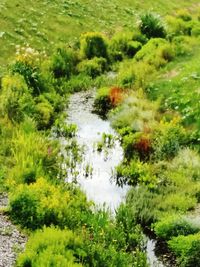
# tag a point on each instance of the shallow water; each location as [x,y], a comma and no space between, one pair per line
[99,186]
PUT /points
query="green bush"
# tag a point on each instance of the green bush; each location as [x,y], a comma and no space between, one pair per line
[135,112]
[93,44]
[187,249]
[31,75]
[178,26]
[122,45]
[156,52]
[78,83]
[184,15]
[52,247]
[143,203]
[168,138]
[182,45]
[33,154]
[196,30]
[187,161]
[125,220]
[16,100]
[133,48]
[135,75]
[172,226]
[152,26]
[135,172]
[92,67]
[102,102]
[41,203]
[127,77]
[57,101]
[63,62]
[44,113]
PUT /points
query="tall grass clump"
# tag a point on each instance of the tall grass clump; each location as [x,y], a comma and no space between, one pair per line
[63,62]
[152,26]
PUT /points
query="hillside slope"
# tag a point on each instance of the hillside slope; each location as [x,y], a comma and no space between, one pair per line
[44,23]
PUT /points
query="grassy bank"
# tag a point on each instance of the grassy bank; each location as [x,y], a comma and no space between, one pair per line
[42,24]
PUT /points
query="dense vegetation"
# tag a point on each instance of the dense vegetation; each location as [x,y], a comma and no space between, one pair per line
[153,103]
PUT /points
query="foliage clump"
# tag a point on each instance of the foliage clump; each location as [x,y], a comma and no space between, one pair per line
[52,247]
[152,26]
[93,44]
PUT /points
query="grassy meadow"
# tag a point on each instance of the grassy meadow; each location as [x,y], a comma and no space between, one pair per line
[44,24]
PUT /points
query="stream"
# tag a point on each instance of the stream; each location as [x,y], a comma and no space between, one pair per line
[99,186]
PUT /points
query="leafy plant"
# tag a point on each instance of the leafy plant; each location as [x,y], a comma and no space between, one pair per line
[172,226]
[92,67]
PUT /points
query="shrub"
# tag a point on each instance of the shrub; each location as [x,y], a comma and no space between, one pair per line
[92,67]
[102,101]
[57,101]
[168,139]
[33,154]
[142,203]
[139,37]
[184,15]
[127,77]
[52,247]
[182,45]
[31,75]
[156,52]
[137,145]
[187,161]
[178,201]
[125,221]
[135,112]
[44,113]
[77,83]
[41,203]
[122,45]
[135,75]
[187,249]
[116,96]
[93,44]
[63,62]
[133,48]
[172,226]
[151,26]
[16,100]
[135,172]
[118,45]
[107,98]
[196,30]
[178,26]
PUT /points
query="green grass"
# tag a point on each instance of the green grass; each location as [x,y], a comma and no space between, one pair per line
[43,24]
[178,86]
